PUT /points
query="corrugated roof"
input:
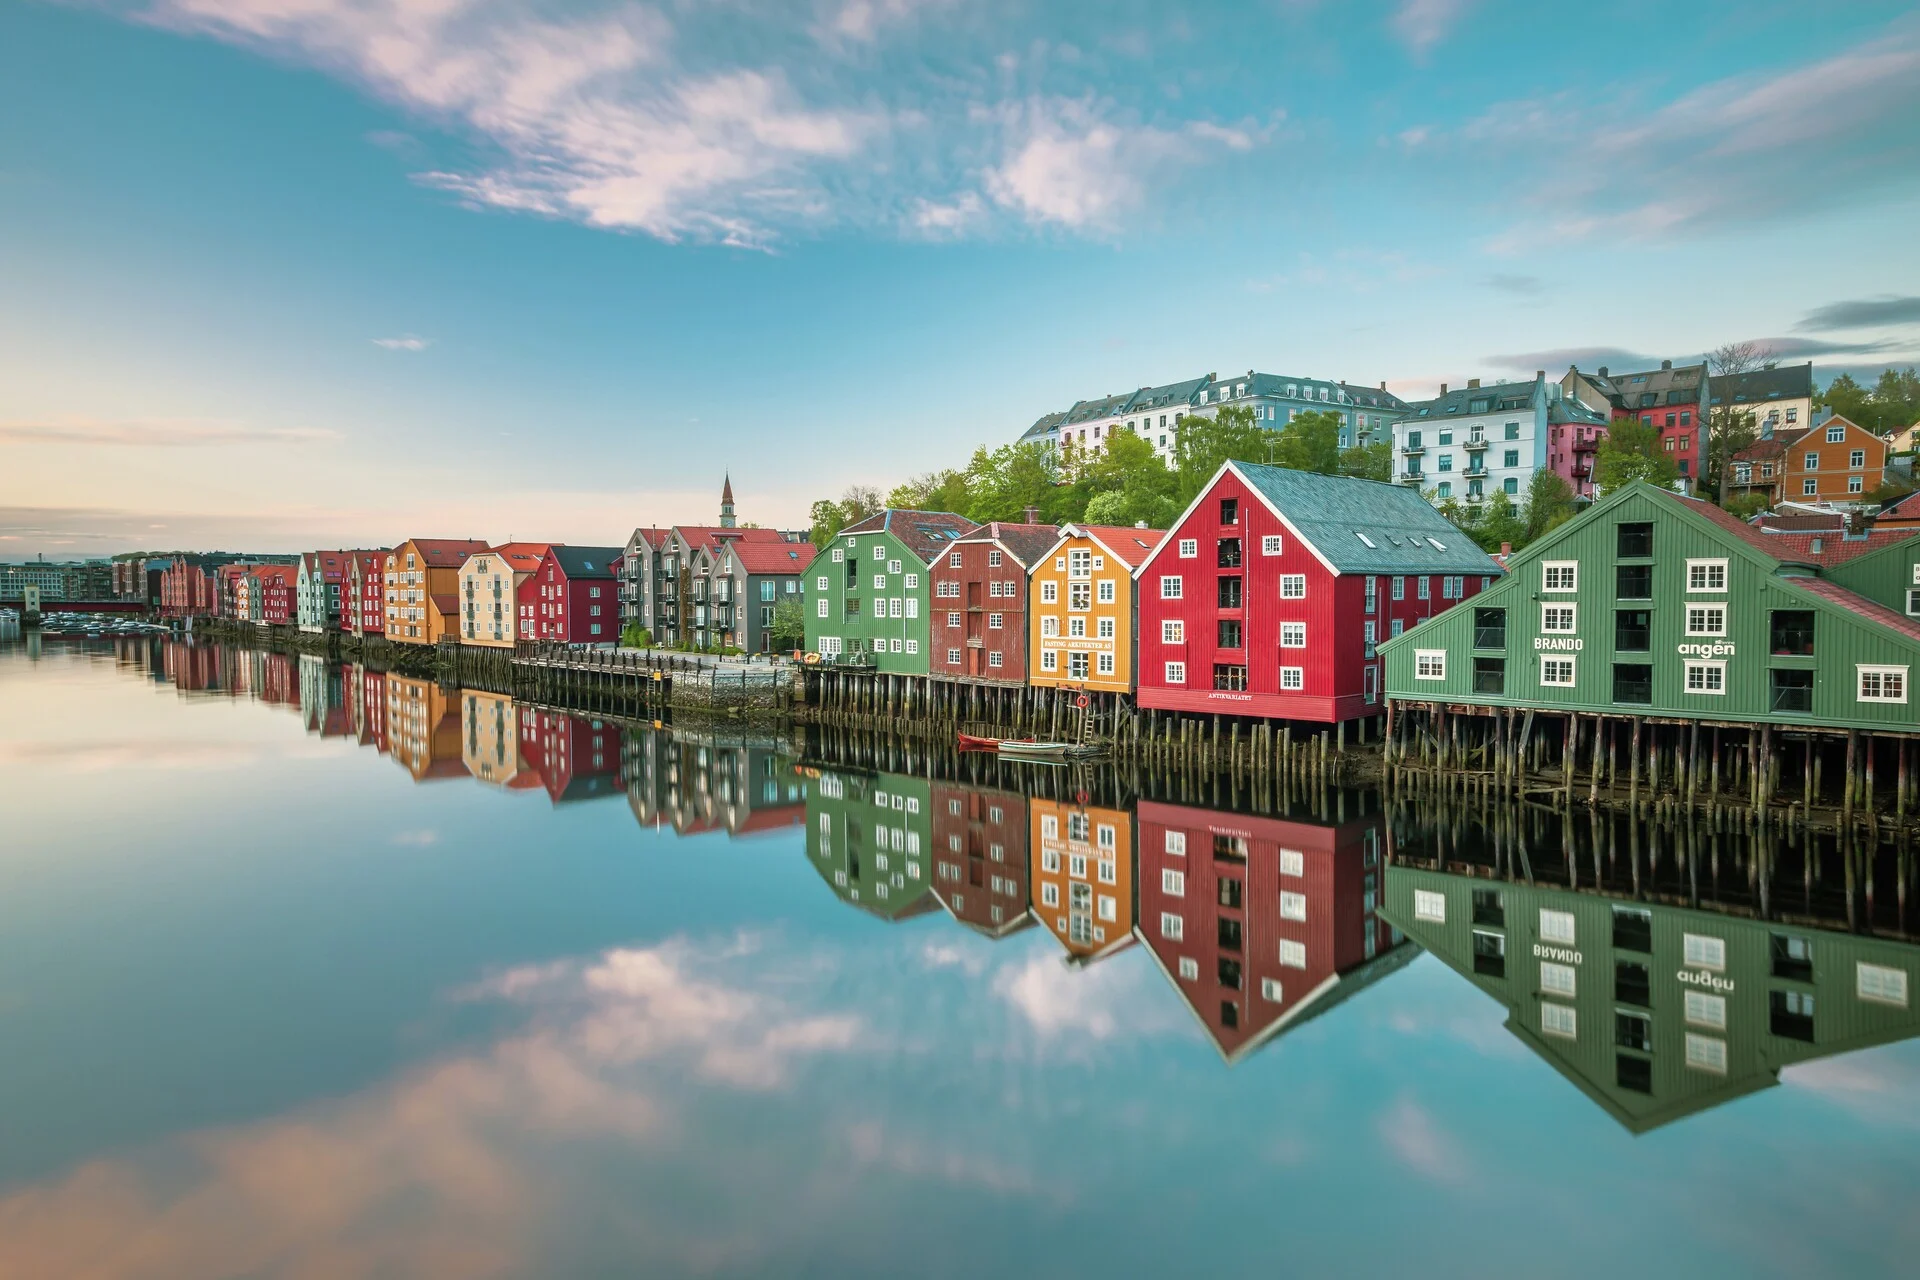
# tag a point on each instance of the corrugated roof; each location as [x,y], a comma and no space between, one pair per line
[1026,543]
[586,562]
[446,553]
[925,533]
[1367,526]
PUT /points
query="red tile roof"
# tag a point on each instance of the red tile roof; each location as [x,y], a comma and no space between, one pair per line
[447,553]
[1907,508]
[1024,542]
[758,555]
[1855,603]
[1832,547]
[1128,543]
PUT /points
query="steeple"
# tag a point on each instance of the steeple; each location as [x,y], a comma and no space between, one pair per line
[726,504]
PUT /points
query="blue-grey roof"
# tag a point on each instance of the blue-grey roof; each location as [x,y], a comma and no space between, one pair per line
[586,562]
[1367,526]
[1043,427]
[1500,396]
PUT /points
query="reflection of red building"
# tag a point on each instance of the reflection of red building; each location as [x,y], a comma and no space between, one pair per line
[369,706]
[279,680]
[980,857]
[577,758]
[193,668]
[1261,922]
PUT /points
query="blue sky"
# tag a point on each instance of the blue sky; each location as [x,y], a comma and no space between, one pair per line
[288,272]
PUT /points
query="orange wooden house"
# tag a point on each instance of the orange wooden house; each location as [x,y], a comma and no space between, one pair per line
[423,588]
[1080,608]
[1081,877]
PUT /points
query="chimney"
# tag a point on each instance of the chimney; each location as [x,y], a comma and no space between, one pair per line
[1539,375]
[1603,371]
[1506,549]
[1473,384]
[1031,515]
[1383,385]
[1443,388]
[1666,365]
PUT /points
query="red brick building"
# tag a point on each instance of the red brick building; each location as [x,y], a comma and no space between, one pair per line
[1261,923]
[979,601]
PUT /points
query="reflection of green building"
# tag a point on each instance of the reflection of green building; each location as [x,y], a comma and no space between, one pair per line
[869,836]
[1655,1011]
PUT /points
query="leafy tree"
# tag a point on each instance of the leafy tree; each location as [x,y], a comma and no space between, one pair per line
[1128,482]
[1311,442]
[1892,402]
[789,624]
[1632,451]
[1847,398]
[1204,444]
[1746,506]
[1500,524]
[829,517]
[1368,461]
[934,491]
[1731,427]
[635,636]
[1549,504]
[1890,491]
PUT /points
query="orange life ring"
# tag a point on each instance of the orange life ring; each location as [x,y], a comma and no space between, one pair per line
[1083,702]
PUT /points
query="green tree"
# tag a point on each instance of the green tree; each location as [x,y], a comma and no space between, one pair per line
[1549,504]
[1128,482]
[1499,524]
[1311,442]
[1204,444]
[635,636]
[1368,461]
[1848,398]
[1730,427]
[1002,484]
[1632,451]
[789,624]
[946,490]
[1746,506]
[829,517]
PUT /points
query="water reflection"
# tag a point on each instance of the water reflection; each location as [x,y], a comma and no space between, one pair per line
[1663,969]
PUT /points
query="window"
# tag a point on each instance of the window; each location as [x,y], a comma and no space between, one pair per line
[1880,683]
[1560,979]
[1633,581]
[1430,664]
[1177,843]
[1703,952]
[1790,1014]
[1293,862]
[1105,664]
[1106,628]
[1049,593]
[1557,618]
[1400,587]
[879,552]
[1229,511]
[1423,587]
[1293,906]
[1229,593]
[1556,926]
[1189,548]
[1513,431]
[1173,631]
[1633,683]
[1173,883]
[1428,905]
[1791,632]
[1706,1053]
[995,621]
[1490,675]
[1076,666]
[1706,620]
[1559,1020]
[1292,679]
[1706,575]
[820,607]
[1835,435]
[1293,586]
[913,583]
[1172,927]
[1706,677]
[1703,1010]
[1880,984]
[1489,628]
[1176,673]
[1559,575]
[1633,541]
[1856,484]
[1791,690]
[953,656]
[1229,633]
[1270,545]
[1050,660]
[1512,460]
[1106,591]
[1231,677]
[1170,587]
[1293,635]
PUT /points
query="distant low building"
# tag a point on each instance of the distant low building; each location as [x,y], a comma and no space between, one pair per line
[1468,443]
[1780,399]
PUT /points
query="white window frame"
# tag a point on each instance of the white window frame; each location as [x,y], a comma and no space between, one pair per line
[1717,667]
[1572,671]
[1555,609]
[1700,619]
[1173,631]
[1559,979]
[1271,544]
[1189,548]
[1293,679]
[1880,984]
[1559,1020]
[1558,926]
[1293,906]
[1176,843]
[1429,906]
[1702,1009]
[1559,575]
[1172,927]
[1189,969]
[1104,591]
[1271,991]
[1176,673]
[1049,593]
[1704,569]
[1293,953]
[1293,635]
[1050,660]
[1430,664]
[1293,586]
[1883,672]
[1171,586]
[1706,1053]
[1173,882]
[1703,946]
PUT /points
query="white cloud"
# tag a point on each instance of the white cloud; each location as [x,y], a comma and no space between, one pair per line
[861,21]
[934,218]
[405,342]
[1415,1139]
[1421,24]
[1069,163]
[418,839]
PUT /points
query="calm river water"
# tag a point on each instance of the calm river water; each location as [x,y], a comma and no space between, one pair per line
[316,972]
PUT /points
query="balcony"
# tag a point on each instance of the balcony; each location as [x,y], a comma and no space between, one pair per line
[1476,443]
[1414,450]
[1478,471]
[1586,442]
[1412,477]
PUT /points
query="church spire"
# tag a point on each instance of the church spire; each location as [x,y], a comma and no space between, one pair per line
[726,503]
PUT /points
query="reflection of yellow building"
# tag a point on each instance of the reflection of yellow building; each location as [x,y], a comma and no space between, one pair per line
[1082,877]
[490,739]
[423,728]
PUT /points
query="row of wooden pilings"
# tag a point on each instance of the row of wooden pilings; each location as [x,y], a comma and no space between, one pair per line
[932,707]
[1653,762]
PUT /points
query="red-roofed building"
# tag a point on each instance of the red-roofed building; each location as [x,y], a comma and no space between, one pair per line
[423,586]
[979,624]
[740,576]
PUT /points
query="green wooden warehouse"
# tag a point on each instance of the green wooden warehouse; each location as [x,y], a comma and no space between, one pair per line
[867,594]
[1664,630]
[870,837]
[1657,1011]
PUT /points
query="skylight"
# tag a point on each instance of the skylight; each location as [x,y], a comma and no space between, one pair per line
[1363,537]
[1437,544]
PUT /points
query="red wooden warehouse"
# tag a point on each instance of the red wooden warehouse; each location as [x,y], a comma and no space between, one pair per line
[979,627]
[1262,923]
[571,597]
[1270,592]
[980,857]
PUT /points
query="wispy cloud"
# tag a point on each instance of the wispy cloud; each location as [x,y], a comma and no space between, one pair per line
[1524,285]
[1409,1131]
[418,839]
[155,433]
[1555,359]
[1422,24]
[1861,313]
[405,342]
[1811,348]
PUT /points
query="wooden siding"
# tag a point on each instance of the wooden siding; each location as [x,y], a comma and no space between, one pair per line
[1888,575]
[869,837]
[1842,640]
[1081,873]
[856,577]
[980,856]
[1055,571]
[964,641]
